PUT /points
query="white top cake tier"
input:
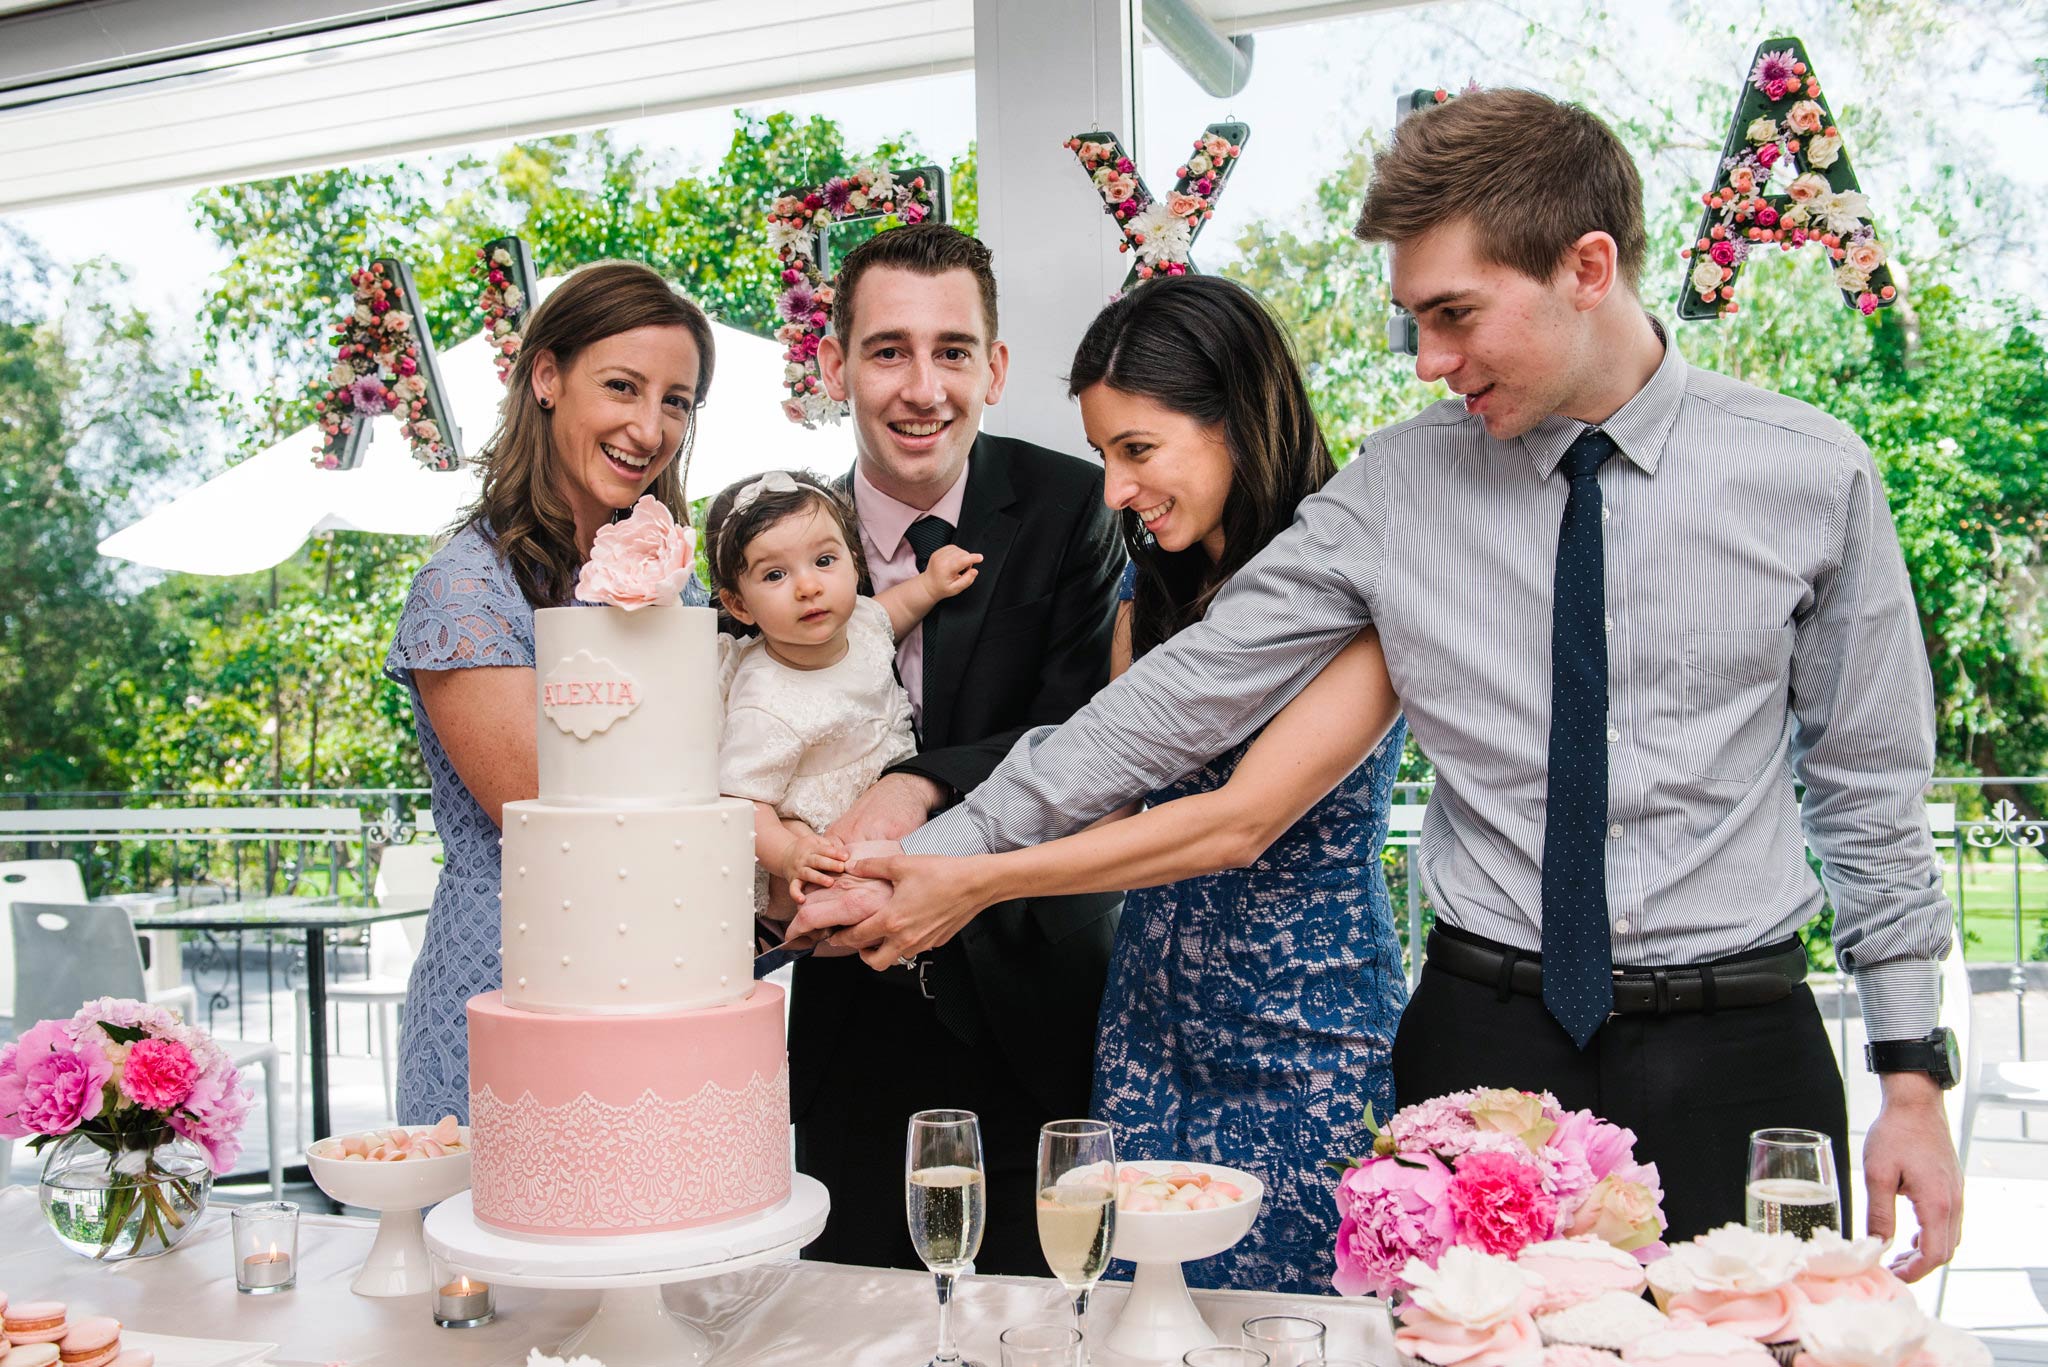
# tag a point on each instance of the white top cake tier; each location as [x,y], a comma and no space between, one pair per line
[629,705]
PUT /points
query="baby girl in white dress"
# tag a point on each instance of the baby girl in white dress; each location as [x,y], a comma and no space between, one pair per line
[813,711]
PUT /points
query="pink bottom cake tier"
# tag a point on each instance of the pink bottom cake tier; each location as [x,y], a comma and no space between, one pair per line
[589,1126]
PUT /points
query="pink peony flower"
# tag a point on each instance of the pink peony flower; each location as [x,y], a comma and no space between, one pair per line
[212,1117]
[1499,1204]
[159,1074]
[639,563]
[49,1083]
[1606,1146]
[1392,1211]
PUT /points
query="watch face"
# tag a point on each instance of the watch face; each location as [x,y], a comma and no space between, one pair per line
[1951,1057]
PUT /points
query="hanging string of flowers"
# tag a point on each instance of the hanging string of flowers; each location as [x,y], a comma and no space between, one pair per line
[796,226]
[377,370]
[1782,125]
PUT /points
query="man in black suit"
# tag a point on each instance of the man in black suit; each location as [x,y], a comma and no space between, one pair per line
[1001,1021]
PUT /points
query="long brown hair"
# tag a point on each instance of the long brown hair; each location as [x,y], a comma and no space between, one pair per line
[1205,347]
[521,506]
[727,534]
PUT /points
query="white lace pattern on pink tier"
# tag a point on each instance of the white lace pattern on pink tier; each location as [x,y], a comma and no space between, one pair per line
[591,1166]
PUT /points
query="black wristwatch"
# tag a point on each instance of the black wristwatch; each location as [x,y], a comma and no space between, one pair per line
[1935,1056]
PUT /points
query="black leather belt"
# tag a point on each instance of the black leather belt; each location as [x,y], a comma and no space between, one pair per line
[1754,978]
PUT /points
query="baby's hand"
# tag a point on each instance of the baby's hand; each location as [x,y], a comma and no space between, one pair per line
[816,859]
[951,570]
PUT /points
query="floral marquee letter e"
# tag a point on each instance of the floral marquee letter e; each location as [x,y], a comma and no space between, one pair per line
[798,227]
[1161,232]
[385,364]
[1781,123]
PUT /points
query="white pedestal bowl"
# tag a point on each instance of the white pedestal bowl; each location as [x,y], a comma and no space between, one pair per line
[398,1192]
[1159,1319]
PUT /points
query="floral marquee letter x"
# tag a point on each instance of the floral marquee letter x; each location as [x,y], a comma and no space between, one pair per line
[1781,122]
[798,225]
[1161,232]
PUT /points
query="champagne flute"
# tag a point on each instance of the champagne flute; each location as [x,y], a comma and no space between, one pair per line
[1076,1205]
[945,1195]
[1792,1183]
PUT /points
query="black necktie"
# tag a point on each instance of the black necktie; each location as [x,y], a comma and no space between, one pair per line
[1578,958]
[926,535]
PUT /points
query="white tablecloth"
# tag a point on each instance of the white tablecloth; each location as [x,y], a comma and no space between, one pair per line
[803,1314]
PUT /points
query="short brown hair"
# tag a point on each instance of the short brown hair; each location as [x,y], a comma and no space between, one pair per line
[926,248]
[727,534]
[1533,174]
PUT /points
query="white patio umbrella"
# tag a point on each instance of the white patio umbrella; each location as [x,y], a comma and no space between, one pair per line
[258,513]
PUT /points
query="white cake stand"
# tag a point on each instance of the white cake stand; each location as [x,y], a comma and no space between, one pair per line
[632,1326]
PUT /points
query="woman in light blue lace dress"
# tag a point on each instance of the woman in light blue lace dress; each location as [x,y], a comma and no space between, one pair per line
[599,409]
[1256,982]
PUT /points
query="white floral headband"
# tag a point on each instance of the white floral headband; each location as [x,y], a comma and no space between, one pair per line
[774,482]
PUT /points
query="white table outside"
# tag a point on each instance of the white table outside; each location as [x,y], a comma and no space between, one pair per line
[800,1314]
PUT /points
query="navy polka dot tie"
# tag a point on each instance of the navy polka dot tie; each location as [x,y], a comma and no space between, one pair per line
[1578,959]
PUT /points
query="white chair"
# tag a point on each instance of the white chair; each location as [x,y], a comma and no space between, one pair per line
[58,880]
[406,877]
[72,953]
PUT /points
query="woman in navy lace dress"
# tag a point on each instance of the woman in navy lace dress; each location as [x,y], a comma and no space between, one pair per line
[1256,982]
[599,410]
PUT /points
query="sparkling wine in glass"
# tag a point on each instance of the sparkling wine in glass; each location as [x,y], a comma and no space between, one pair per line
[1792,1183]
[945,1196]
[1076,1205]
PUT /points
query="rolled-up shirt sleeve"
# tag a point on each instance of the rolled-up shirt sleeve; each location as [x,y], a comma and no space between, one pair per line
[1281,618]
[1863,744]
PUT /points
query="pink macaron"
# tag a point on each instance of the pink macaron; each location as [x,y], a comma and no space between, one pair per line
[135,1357]
[33,1355]
[91,1342]
[33,1322]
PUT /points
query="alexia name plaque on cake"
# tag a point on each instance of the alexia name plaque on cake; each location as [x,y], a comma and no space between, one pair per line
[584,694]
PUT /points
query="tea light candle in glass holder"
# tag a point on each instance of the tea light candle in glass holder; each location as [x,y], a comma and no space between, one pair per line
[266,1240]
[460,1300]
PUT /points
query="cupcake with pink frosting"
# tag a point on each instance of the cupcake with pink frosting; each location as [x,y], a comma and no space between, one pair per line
[1470,1310]
[1574,1270]
[1695,1345]
[1838,1268]
[1739,1280]
[1851,1333]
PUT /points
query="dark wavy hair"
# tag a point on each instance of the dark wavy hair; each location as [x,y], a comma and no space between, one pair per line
[1207,348]
[521,503]
[728,534]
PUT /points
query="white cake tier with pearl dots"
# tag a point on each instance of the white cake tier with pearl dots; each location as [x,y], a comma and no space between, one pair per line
[629,910]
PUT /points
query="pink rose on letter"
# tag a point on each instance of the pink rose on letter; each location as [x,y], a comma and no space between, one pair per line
[642,562]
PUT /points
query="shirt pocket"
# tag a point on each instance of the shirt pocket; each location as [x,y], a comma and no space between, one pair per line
[1734,707]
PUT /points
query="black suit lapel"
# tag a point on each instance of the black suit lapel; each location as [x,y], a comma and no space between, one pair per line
[986,526]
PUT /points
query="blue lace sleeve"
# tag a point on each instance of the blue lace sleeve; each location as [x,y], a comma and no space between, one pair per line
[694,594]
[1128,588]
[464,611]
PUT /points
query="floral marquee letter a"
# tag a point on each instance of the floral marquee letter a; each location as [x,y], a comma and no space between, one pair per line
[1161,232]
[1781,124]
[385,364]
[799,224]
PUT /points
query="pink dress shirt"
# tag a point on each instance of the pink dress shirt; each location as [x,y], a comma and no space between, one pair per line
[883,521]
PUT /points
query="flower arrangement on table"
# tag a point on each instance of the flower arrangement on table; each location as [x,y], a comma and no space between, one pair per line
[1730,1298]
[1161,231]
[1492,1170]
[378,369]
[1782,125]
[796,223]
[502,303]
[127,1076]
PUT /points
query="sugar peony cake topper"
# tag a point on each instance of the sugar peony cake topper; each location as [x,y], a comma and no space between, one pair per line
[642,562]
[1782,131]
[798,230]
[384,363]
[1161,232]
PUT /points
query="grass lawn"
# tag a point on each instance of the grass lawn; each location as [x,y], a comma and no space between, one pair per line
[1985,901]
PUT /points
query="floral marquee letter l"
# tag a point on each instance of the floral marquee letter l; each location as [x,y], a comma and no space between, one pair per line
[508,295]
[385,364]
[798,226]
[1161,232]
[1781,122]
